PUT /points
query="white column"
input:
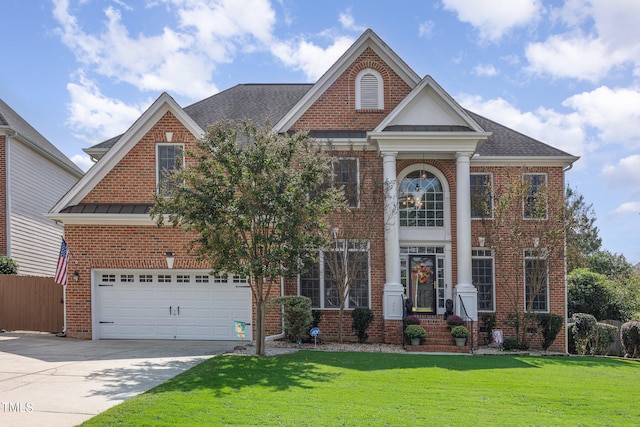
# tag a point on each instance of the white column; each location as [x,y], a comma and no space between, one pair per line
[393,290]
[465,295]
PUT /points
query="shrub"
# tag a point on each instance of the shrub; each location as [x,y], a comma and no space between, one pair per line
[551,325]
[415,331]
[362,318]
[8,265]
[511,343]
[459,332]
[412,320]
[317,317]
[584,327]
[630,336]
[297,316]
[604,336]
[489,322]
[455,320]
[571,341]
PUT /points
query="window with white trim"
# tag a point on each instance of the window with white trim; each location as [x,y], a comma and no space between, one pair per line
[536,281]
[482,277]
[319,284]
[535,201]
[346,175]
[169,158]
[421,200]
[369,90]
[481,200]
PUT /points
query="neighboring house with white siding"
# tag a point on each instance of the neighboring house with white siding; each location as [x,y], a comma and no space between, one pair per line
[34,174]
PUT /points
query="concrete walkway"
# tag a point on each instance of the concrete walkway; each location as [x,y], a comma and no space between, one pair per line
[51,381]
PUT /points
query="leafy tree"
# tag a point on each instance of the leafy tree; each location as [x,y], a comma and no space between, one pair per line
[582,234]
[8,265]
[591,293]
[611,265]
[254,202]
[527,234]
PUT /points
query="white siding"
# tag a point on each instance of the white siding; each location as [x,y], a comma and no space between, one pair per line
[34,185]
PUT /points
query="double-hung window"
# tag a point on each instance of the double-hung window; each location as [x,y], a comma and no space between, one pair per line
[345,175]
[321,281]
[535,200]
[481,200]
[169,158]
[536,280]
[482,278]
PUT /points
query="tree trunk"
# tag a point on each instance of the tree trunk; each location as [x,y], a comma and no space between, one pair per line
[260,326]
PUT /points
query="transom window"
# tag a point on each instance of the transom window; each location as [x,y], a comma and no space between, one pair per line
[482,278]
[168,159]
[369,90]
[319,283]
[421,200]
[481,200]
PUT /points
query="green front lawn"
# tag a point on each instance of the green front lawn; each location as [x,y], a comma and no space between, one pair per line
[314,388]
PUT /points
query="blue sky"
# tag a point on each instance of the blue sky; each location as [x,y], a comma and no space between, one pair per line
[565,72]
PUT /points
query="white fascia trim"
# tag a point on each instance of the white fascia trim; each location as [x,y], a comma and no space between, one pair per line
[139,128]
[103,219]
[367,39]
[428,142]
[428,81]
[523,161]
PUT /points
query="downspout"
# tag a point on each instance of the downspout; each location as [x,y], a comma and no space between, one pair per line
[566,169]
[7,181]
[281,334]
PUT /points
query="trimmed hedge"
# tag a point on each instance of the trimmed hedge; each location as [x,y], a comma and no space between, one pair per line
[630,336]
[297,316]
[551,325]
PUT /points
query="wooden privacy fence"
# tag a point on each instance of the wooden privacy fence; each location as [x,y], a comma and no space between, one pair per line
[30,303]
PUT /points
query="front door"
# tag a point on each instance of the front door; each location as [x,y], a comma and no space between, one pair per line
[423,291]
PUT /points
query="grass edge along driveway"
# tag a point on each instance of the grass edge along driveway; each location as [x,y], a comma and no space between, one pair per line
[315,388]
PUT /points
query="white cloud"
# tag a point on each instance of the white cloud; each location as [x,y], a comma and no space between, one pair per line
[626,173]
[425,29]
[601,36]
[83,161]
[563,131]
[572,56]
[625,209]
[494,18]
[615,113]
[348,23]
[308,57]
[487,70]
[93,116]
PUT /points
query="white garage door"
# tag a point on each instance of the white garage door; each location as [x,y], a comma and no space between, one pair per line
[170,304]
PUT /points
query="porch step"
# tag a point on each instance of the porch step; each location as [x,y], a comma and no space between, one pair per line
[435,348]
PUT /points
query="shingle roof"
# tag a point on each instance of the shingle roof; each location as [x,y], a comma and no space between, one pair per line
[9,118]
[506,142]
[262,102]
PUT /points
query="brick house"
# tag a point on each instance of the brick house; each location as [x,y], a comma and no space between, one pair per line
[34,174]
[132,279]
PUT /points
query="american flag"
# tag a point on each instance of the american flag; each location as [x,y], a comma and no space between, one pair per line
[61,268]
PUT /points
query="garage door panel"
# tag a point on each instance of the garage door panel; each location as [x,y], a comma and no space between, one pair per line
[178,310]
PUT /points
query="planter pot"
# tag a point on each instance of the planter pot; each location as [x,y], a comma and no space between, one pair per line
[460,342]
[415,341]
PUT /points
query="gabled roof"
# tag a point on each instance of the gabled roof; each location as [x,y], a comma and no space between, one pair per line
[368,39]
[256,102]
[123,145]
[17,127]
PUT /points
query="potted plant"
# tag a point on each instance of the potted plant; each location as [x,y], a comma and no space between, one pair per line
[454,320]
[460,333]
[415,333]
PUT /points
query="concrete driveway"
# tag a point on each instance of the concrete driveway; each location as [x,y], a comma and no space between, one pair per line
[51,381]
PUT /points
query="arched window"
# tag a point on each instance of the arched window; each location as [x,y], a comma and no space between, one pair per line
[421,200]
[369,90]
